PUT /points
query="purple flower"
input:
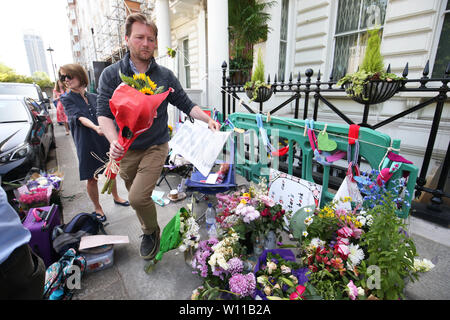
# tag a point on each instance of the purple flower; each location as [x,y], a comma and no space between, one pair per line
[235,265]
[301,276]
[243,284]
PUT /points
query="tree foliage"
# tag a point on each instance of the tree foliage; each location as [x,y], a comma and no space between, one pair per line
[8,74]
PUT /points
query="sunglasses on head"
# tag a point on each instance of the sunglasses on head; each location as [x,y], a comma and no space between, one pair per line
[63,77]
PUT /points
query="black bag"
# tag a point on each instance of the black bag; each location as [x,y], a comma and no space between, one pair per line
[69,235]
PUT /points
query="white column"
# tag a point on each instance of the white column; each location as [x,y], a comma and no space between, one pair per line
[217,49]
[163,23]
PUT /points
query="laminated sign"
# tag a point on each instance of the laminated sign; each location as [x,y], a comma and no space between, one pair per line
[198,144]
[293,193]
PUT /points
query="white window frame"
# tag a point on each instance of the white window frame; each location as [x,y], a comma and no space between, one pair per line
[285,41]
[182,65]
[440,25]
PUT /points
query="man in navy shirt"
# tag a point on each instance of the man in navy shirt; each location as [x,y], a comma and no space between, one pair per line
[142,164]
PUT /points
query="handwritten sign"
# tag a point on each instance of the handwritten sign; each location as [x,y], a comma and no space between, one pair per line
[198,144]
[293,193]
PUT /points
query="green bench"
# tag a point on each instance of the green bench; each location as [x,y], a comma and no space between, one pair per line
[373,148]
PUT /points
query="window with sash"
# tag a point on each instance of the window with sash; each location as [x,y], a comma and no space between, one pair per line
[443,50]
[283,39]
[354,18]
[185,65]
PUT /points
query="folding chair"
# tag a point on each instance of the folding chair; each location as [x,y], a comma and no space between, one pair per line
[170,166]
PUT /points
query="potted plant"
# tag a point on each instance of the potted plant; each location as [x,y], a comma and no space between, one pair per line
[256,89]
[248,25]
[371,84]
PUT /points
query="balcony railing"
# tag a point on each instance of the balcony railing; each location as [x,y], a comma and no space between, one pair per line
[316,91]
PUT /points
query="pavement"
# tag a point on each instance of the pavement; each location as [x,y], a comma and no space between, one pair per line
[172,278]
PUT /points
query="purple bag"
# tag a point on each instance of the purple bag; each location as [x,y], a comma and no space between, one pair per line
[41,222]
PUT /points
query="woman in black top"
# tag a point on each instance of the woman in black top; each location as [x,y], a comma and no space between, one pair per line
[80,107]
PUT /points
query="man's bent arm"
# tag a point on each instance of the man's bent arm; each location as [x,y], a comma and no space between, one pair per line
[199,114]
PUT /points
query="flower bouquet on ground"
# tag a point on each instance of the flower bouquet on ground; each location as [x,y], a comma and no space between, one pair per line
[280,277]
[221,266]
[134,105]
[355,254]
[38,197]
[181,232]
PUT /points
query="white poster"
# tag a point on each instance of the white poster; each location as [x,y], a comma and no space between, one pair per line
[293,193]
[198,144]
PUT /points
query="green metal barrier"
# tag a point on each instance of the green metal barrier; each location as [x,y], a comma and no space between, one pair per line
[373,148]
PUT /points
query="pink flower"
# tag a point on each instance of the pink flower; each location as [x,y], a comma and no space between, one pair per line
[357,233]
[352,290]
[298,293]
[345,232]
[268,201]
[342,249]
[343,241]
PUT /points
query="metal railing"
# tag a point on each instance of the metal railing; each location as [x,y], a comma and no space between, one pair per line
[310,89]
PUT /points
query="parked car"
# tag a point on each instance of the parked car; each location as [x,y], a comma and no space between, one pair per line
[30,90]
[26,136]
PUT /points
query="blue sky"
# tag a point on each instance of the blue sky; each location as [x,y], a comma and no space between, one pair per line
[48,18]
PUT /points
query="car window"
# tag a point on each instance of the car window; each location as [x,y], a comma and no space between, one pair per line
[12,110]
[28,91]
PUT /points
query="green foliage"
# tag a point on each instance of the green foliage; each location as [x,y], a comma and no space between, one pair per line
[257,80]
[258,74]
[391,250]
[247,20]
[373,60]
[8,74]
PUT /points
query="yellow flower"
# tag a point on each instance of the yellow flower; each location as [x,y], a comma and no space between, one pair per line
[246,195]
[146,90]
[243,201]
[151,83]
[346,199]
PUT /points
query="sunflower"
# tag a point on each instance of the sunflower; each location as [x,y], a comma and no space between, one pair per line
[146,90]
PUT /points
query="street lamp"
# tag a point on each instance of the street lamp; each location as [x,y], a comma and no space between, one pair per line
[51,58]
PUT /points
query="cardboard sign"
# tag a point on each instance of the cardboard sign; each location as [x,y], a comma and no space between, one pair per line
[293,193]
[100,240]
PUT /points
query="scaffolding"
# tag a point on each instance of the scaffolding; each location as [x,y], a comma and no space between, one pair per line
[110,45]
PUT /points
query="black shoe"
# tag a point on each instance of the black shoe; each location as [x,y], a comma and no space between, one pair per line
[149,245]
[125,204]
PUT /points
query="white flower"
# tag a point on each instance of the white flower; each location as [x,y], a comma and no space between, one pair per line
[356,254]
[361,292]
[285,269]
[424,265]
[271,266]
[261,279]
[305,234]
[316,242]
[362,220]
[369,220]
[308,220]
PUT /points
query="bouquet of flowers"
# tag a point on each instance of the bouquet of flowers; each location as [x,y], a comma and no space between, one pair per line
[343,248]
[45,180]
[134,105]
[181,232]
[37,197]
[280,277]
[189,231]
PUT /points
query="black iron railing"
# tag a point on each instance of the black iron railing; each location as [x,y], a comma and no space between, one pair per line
[313,90]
